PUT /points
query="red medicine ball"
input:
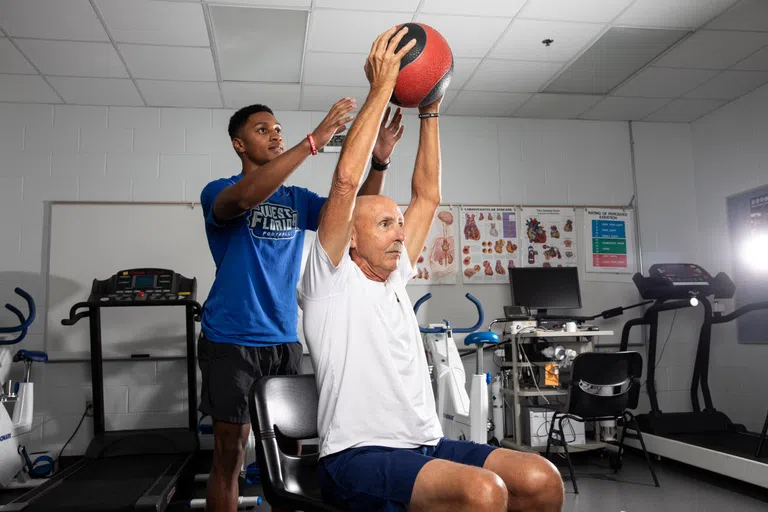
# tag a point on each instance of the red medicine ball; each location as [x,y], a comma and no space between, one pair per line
[426,70]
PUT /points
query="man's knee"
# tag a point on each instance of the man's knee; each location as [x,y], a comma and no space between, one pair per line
[542,480]
[484,491]
[229,444]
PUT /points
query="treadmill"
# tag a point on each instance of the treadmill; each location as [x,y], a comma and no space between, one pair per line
[126,470]
[705,438]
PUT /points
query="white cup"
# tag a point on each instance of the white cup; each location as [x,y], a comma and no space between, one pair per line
[570,327]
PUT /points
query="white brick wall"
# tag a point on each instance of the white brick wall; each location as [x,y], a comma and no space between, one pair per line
[668,223]
[150,154]
[730,150]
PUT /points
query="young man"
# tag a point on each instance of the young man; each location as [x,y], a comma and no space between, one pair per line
[255,227]
[382,447]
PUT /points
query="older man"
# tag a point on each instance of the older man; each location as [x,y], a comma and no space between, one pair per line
[382,447]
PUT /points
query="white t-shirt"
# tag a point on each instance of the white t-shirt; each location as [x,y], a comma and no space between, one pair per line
[371,370]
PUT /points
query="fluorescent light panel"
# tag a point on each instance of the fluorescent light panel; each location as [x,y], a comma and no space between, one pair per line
[259,45]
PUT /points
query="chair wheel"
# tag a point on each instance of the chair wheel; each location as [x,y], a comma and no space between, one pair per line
[615,461]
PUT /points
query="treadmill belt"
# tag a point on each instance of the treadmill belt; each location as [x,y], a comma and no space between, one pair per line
[108,485]
[740,445]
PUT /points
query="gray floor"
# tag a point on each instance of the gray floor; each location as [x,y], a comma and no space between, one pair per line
[632,489]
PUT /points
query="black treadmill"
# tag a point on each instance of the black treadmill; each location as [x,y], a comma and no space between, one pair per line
[127,470]
[702,435]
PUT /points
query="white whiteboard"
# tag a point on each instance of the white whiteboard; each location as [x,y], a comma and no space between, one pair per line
[95,240]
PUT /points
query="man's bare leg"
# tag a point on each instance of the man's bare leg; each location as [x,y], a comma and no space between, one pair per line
[509,480]
[229,449]
[532,481]
[442,485]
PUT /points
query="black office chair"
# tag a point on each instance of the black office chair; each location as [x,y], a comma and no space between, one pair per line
[286,404]
[592,373]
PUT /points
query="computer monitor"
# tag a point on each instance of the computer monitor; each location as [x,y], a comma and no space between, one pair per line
[545,288]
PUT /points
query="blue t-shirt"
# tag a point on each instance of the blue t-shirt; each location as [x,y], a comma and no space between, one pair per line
[258,261]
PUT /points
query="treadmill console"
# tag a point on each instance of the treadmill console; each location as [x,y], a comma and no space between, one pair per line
[142,285]
[668,281]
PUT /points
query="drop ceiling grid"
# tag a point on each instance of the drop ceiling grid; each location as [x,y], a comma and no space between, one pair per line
[174,41]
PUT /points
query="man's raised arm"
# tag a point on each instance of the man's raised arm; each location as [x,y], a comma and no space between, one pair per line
[381,69]
[425,185]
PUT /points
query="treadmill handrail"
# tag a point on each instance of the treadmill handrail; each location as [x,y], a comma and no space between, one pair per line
[748,308]
[75,317]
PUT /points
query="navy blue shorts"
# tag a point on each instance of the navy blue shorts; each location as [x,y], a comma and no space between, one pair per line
[380,478]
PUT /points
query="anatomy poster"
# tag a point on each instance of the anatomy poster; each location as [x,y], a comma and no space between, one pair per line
[548,237]
[609,237]
[489,244]
[438,262]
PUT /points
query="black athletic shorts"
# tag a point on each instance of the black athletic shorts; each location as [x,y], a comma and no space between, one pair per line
[229,370]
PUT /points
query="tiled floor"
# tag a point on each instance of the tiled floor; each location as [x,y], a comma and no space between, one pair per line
[632,489]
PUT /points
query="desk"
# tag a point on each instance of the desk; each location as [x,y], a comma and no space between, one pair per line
[585,341]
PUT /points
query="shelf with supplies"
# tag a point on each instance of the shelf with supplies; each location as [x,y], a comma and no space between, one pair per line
[517,363]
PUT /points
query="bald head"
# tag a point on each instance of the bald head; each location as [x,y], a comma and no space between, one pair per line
[377,234]
[367,208]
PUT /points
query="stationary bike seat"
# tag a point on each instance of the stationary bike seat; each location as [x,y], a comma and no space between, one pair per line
[480,338]
[30,355]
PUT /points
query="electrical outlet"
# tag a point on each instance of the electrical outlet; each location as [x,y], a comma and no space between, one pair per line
[89,408]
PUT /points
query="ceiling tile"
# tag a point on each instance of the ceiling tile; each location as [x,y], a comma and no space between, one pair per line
[263,3]
[164,93]
[758,61]
[745,15]
[655,82]
[623,109]
[684,111]
[148,22]
[491,104]
[12,61]
[259,45]
[507,8]
[335,69]
[598,11]
[276,96]
[322,98]
[557,106]
[390,5]
[617,55]
[360,30]
[462,70]
[729,85]
[467,36]
[97,91]
[169,63]
[677,14]
[68,58]
[523,40]
[26,89]
[51,19]
[713,49]
[511,76]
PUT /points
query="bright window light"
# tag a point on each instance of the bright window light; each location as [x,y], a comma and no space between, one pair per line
[754,253]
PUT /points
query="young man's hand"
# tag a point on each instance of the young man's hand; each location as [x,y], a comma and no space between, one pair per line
[388,136]
[334,122]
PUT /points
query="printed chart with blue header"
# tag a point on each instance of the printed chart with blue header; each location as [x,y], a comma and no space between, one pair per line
[610,240]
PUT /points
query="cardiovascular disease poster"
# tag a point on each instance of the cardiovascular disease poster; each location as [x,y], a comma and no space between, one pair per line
[609,235]
[489,244]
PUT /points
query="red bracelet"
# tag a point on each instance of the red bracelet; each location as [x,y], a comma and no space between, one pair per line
[312,144]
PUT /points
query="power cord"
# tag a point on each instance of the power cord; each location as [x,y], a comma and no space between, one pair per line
[663,347]
[88,409]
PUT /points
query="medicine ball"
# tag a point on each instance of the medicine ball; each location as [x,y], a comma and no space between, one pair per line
[426,70]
